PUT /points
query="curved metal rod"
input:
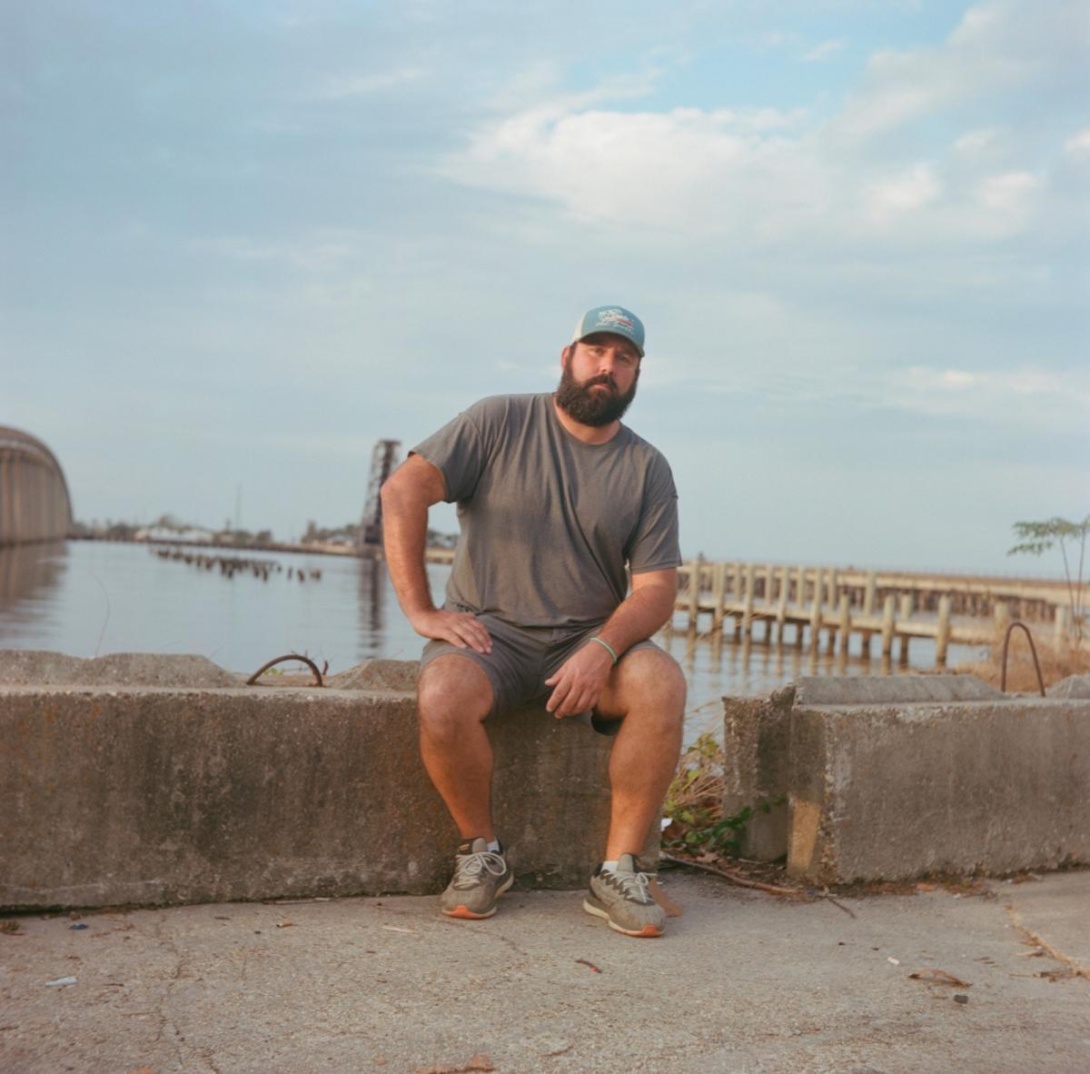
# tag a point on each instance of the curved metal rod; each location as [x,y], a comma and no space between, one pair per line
[1032,649]
[252,680]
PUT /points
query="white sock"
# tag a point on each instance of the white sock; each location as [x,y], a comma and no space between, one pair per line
[610,865]
[494,847]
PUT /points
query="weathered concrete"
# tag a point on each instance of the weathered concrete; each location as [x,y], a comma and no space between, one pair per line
[744,983]
[36,667]
[159,794]
[882,787]
[1072,686]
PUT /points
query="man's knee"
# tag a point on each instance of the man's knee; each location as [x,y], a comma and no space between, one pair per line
[648,680]
[655,674]
[452,689]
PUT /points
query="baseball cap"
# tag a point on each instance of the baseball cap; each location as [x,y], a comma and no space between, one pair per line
[615,319]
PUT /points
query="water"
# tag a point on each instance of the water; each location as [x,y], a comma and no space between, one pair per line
[91,598]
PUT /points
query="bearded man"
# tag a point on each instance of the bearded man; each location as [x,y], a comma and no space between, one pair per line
[565,567]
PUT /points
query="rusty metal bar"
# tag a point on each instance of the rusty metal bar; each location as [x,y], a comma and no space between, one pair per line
[252,680]
[1032,649]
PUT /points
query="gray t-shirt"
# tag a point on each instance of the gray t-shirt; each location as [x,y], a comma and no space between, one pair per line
[549,523]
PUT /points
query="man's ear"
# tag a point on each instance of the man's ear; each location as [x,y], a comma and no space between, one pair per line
[566,353]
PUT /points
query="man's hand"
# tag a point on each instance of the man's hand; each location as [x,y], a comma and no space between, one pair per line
[459,628]
[579,681]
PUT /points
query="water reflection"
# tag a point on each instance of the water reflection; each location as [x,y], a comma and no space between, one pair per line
[28,573]
[372,594]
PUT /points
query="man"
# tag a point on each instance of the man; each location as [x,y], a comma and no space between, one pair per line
[558,503]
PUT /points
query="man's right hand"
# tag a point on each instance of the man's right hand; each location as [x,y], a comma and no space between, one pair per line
[459,628]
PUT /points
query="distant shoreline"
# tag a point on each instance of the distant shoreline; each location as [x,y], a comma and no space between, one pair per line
[434,555]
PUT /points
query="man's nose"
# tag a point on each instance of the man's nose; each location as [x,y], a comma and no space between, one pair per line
[608,360]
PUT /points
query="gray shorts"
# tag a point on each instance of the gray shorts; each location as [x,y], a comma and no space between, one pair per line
[522,658]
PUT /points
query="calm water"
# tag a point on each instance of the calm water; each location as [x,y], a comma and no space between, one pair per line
[91,598]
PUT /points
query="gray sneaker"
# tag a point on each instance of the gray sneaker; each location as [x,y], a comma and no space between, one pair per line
[623,899]
[480,878]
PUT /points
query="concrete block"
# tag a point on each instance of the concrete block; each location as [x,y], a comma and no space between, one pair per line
[894,791]
[757,755]
[891,689]
[1072,686]
[155,795]
[30,667]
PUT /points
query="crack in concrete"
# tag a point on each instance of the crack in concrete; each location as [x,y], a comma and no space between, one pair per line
[168,1029]
[1035,939]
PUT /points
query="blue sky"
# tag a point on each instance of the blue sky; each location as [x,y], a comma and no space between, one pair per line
[243,241]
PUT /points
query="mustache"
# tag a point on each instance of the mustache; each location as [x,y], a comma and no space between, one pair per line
[605,379]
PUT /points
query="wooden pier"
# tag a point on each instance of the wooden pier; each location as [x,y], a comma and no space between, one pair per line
[794,606]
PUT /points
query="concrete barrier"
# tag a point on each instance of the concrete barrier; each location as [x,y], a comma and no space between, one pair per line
[905,776]
[158,780]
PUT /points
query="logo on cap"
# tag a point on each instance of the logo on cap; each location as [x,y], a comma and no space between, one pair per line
[615,319]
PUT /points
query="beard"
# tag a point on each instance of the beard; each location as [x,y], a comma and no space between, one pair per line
[587,405]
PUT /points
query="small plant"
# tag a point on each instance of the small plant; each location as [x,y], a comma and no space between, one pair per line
[694,804]
[1036,538]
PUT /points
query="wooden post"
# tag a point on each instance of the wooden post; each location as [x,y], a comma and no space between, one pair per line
[815,615]
[736,596]
[887,628]
[830,580]
[1062,624]
[845,623]
[747,606]
[942,638]
[1002,617]
[781,609]
[719,585]
[694,591]
[870,593]
[906,606]
[800,602]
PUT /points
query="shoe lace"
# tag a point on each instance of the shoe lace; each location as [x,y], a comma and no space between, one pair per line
[469,868]
[633,886]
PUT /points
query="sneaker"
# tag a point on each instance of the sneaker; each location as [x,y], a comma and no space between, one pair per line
[480,878]
[622,898]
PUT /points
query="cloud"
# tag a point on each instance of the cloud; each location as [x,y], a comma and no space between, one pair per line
[759,176]
[641,169]
[342,87]
[998,48]
[1078,145]
[1025,396]
[891,198]
[976,143]
[825,51]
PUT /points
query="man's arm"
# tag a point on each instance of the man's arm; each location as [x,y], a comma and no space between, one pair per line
[406,497]
[579,682]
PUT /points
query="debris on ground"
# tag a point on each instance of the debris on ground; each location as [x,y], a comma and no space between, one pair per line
[939,977]
[479,1062]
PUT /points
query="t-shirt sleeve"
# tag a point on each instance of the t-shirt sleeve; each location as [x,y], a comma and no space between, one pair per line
[457,450]
[655,546]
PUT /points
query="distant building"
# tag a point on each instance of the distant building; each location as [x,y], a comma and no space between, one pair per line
[188,535]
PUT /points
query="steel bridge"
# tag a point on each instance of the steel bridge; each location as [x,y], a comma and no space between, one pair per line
[383,463]
[34,500]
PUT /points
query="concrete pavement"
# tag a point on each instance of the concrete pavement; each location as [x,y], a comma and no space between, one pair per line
[743,983]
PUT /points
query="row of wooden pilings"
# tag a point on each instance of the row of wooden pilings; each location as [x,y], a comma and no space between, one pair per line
[867,604]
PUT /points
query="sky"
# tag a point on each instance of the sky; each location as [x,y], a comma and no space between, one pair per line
[243,241]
